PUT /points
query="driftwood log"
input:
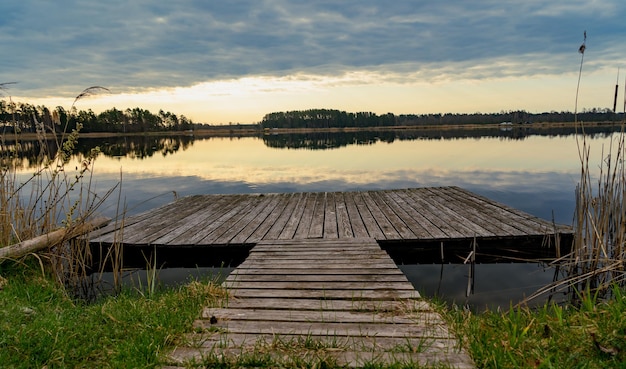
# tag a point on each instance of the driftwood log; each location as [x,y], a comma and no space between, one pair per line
[50,239]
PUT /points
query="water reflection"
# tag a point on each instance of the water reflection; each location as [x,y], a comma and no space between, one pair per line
[537,174]
[498,285]
[30,153]
[141,147]
[535,171]
[333,140]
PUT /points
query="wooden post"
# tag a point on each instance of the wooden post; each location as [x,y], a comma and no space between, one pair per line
[51,239]
[442,258]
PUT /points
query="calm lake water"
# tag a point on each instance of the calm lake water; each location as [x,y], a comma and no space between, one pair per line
[534,171]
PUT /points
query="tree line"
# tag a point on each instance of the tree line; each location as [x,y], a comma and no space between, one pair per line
[23,117]
[328,118]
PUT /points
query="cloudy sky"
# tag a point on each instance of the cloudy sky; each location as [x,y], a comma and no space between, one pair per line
[234,61]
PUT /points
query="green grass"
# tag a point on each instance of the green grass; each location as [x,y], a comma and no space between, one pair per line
[592,335]
[40,326]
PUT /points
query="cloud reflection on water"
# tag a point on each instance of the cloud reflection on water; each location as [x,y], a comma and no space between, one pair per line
[537,174]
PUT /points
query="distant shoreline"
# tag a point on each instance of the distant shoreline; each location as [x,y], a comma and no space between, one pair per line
[248,130]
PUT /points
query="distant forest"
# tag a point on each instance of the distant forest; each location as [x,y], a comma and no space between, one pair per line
[325,118]
[24,117]
[29,118]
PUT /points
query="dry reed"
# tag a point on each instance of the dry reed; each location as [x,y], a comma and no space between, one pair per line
[598,253]
[54,195]
[596,261]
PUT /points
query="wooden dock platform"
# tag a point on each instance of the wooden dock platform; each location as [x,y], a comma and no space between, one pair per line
[340,301]
[315,282]
[421,214]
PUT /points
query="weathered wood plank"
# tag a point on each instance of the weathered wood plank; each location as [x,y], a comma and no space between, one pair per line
[289,231]
[153,236]
[322,315]
[144,229]
[335,269]
[521,220]
[344,227]
[378,216]
[310,264]
[283,303]
[330,217]
[465,207]
[216,219]
[356,222]
[239,228]
[363,294]
[257,218]
[372,227]
[220,340]
[452,217]
[152,227]
[436,216]
[317,222]
[290,201]
[320,242]
[302,231]
[231,218]
[320,255]
[457,217]
[210,211]
[420,225]
[108,230]
[390,213]
[267,221]
[329,329]
[351,359]
[317,277]
[327,285]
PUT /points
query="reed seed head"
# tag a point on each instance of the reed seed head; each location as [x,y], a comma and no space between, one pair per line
[56,119]
[582,47]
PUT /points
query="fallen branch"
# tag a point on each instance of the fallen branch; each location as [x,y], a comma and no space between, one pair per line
[51,239]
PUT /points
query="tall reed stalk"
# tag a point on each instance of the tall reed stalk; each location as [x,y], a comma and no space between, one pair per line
[598,253]
[599,250]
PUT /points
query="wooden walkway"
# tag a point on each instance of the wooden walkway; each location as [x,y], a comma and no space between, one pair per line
[424,214]
[334,301]
[316,283]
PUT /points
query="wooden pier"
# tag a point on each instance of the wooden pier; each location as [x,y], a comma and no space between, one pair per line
[421,214]
[315,279]
[337,301]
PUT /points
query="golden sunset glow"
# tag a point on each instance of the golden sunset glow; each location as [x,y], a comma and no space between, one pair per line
[247,100]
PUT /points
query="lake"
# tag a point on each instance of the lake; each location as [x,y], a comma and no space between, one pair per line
[529,169]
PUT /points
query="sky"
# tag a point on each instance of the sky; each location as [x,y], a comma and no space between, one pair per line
[223,62]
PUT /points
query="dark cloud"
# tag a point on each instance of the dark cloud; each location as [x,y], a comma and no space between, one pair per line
[65,45]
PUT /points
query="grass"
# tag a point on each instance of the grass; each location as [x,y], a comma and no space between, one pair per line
[41,326]
[591,335]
